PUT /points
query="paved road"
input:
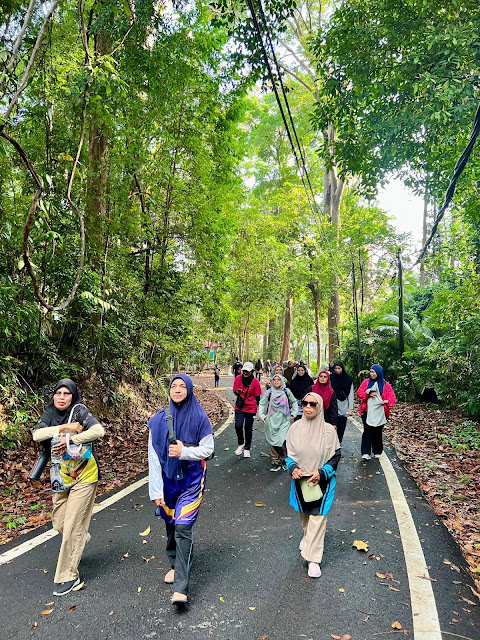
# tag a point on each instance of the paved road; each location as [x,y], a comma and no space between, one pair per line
[249,581]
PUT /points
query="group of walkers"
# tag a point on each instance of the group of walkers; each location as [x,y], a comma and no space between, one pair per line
[304,425]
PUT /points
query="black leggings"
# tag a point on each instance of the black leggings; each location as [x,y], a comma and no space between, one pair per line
[341,425]
[242,418]
[372,440]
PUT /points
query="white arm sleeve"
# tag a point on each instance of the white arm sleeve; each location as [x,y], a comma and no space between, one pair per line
[204,449]
[155,478]
[350,398]
[44,433]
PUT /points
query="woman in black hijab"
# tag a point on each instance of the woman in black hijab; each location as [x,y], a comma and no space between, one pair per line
[343,386]
[299,386]
[71,428]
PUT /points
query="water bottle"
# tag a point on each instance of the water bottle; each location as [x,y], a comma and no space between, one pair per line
[56,458]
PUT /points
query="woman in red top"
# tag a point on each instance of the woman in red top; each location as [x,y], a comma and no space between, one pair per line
[248,391]
[377,397]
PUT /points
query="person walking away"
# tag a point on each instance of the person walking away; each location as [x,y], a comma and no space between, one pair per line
[299,386]
[237,367]
[248,392]
[343,387]
[289,371]
[216,373]
[258,369]
[377,398]
[313,453]
[268,367]
[323,387]
[177,475]
[276,409]
[74,476]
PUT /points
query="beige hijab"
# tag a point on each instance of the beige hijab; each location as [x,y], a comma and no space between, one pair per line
[311,443]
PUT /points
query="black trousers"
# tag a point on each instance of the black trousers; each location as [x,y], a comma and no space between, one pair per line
[341,426]
[372,438]
[180,554]
[244,420]
[217,378]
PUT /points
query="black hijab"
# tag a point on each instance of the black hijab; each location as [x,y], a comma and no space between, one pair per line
[52,416]
[341,382]
[299,384]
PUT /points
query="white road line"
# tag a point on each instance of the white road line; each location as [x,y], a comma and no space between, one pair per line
[426,625]
[10,555]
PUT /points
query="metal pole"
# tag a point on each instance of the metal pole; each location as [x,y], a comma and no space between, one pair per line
[355,307]
[401,334]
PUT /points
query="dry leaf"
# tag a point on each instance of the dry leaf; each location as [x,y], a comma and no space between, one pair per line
[79,586]
[139,589]
[111,613]
[34,625]
[381,575]
[396,625]
[48,604]
[252,608]
[146,532]
[360,545]
[45,571]
[125,555]
[73,608]
[259,504]
[475,593]
[341,590]
[146,559]
[47,612]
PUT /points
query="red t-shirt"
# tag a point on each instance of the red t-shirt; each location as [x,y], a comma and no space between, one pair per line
[254,390]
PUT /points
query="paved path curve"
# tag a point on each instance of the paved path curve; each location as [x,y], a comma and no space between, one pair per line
[249,581]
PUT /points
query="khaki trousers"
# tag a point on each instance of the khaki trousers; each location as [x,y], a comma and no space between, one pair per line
[314,528]
[72,510]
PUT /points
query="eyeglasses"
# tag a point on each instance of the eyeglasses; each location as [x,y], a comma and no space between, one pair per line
[63,393]
[309,403]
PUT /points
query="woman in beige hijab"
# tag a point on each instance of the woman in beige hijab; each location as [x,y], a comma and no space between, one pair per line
[313,451]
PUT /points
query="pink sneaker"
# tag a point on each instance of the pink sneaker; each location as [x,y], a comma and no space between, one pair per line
[314,570]
[239,449]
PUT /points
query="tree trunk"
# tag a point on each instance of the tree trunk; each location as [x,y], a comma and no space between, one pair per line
[287,329]
[424,236]
[315,297]
[333,189]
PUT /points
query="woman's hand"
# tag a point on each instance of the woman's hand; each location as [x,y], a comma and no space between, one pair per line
[60,447]
[350,412]
[74,427]
[297,474]
[160,502]
[315,477]
[373,394]
[175,450]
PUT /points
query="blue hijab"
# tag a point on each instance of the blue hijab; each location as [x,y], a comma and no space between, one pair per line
[190,423]
[380,379]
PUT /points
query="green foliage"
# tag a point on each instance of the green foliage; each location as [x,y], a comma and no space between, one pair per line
[464,436]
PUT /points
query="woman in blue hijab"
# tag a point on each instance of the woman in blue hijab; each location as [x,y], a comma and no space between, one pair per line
[177,473]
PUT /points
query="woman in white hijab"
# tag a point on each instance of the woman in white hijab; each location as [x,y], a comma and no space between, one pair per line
[313,452]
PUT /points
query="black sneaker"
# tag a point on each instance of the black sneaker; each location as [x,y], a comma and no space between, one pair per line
[62,588]
[276,467]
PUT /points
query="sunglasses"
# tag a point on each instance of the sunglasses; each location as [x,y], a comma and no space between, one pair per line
[309,403]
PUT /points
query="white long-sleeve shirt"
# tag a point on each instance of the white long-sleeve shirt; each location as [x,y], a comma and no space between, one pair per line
[155,479]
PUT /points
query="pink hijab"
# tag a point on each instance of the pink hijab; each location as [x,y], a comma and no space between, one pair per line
[324,390]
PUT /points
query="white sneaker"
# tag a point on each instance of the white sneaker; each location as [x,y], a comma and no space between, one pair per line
[89,537]
[302,543]
[246,453]
[378,455]
[239,449]
[314,570]
[365,456]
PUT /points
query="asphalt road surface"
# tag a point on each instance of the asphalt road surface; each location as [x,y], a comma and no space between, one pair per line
[249,581]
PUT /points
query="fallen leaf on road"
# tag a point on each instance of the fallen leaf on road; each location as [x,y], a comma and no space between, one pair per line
[381,575]
[222,599]
[139,589]
[454,567]
[426,578]
[47,612]
[146,532]
[79,586]
[392,588]
[475,593]
[48,604]
[344,637]
[388,531]
[252,608]
[360,545]
[469,601]
[259,504]
[45,571]
[34,625]
[73,608]
[111,612]
[125,555]
[341,590]
[396,625]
